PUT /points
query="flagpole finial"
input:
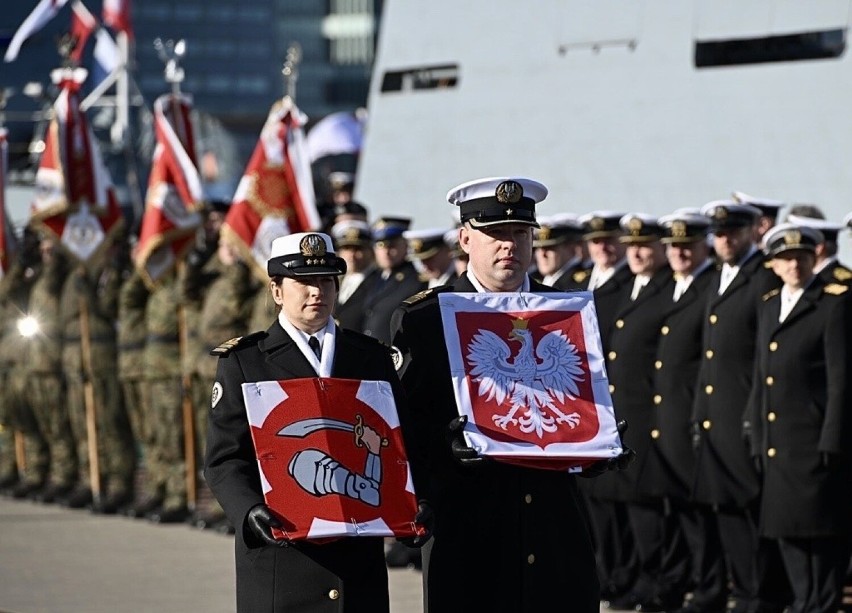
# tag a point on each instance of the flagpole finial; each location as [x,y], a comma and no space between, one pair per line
[171,53]
[291,69]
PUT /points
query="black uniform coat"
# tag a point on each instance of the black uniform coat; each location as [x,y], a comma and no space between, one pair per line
[679,354]
[630,367]
[608,298]
[347,575]
[384,295]
[350,314]
[800,409]
[836,272]
[507,538]
[725,474]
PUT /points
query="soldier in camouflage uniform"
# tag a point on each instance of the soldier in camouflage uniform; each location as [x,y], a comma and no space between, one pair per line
[132,298]
[14,288]
[45,387]
[92,293]
[163,393]
[223,289]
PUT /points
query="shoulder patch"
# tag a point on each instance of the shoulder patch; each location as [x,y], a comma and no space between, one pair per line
[226,347]
[841,273]
[771,293]
[421,296]
[580,276]
[835,289]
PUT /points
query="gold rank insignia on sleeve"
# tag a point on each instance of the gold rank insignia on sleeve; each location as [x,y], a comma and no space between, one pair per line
[842,274]
[225,347]
[771,293]
[580,276]
[835,289]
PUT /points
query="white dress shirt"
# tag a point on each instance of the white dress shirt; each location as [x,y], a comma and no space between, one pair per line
[789,298]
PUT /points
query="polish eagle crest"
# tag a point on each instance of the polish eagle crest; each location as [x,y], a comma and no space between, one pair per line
[529,383]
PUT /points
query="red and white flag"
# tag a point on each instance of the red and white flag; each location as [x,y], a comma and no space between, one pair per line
[83,23]
[331,457]
[71,170]
[276,194]
[8,243]
[35,21]
[174,198]
[528,372]
[75,199]
[116,15]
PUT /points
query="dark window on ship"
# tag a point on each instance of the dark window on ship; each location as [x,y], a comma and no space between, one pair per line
[789,48]
[426,77]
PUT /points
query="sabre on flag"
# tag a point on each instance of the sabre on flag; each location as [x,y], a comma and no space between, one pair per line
[275,196]
[174,198]
[332,458]
[528,373]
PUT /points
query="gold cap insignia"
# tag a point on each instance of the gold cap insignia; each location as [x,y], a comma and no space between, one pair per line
[720,212]
[544,233]
[597,223]
[678,229]
[312,244]
[351,234]
[416,245]
[635,224]
[792,237]
[509,192]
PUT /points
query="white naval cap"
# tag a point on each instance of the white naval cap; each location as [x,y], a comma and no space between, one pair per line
[790,236]
[304,254]
[829,229]
[423,244]
[497,200]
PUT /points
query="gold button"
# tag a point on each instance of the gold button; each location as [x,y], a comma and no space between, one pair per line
[611,388]
[770,380]
[708,389]
[709,354]
[619,323]
[706,424]
[713,318]
[528,499]
[658,364]
[612,355]
[773,346]
[770,416]
[530,559]
[771,452]
[664,330]
[655,433]
[657,399]
[333,594]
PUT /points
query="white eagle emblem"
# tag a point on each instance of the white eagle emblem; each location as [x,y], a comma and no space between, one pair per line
[531,381]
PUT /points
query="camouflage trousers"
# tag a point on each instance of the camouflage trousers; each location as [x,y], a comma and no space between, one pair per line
[167,467]
[115,452]
[46,393]
[16,415]
[133,393]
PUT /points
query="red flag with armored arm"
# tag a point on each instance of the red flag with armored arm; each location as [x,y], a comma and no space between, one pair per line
[276,194]
[174,199]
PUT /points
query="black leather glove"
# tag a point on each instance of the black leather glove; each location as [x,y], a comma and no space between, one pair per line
[425,517]
[619,462]
[261,521]
[464,454]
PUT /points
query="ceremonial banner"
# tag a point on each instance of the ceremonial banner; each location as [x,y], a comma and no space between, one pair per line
[8,243]
[83,23]
[528,372]
[116,15]
[174,199]
[75,199]
[276,193]
[331,457]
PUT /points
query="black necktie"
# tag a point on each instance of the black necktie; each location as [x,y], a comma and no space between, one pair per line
[313,343]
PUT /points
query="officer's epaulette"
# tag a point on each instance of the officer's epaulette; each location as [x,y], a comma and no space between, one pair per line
[426,293]
[771,293]
[835,289]
[843,274]
[580,276]
[226,347]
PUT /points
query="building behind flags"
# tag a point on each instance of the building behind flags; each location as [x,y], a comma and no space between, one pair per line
[330,451]
[276,194]
[74,199]
[174,199]
[8,243]
[528,372]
